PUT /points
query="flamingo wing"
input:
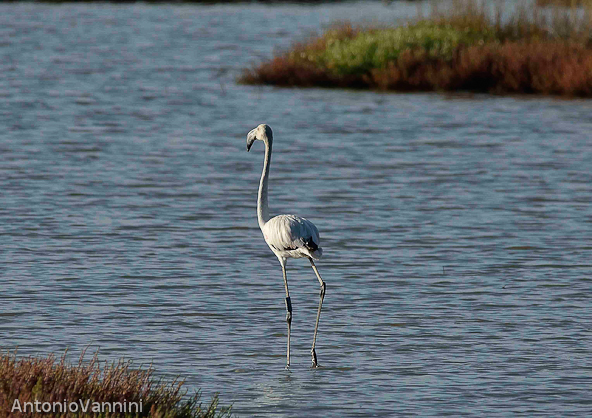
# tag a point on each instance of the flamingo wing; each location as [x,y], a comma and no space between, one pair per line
[291,233]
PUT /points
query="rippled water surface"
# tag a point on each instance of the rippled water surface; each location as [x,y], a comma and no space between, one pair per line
[456,228]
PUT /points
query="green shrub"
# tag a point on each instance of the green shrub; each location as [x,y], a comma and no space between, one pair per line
[376,48]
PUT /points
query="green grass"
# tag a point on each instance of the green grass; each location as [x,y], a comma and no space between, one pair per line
[375,49]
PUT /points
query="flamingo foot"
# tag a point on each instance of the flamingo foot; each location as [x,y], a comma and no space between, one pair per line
[315,364]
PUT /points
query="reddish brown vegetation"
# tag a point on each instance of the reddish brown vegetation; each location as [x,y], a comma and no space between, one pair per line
[543,67]
[48,380]
[284,71]
[515,67]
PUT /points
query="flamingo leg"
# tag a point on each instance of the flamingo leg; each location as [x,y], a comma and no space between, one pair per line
[288,311]
[322,296]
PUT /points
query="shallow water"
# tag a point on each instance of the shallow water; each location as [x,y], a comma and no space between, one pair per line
[456,228]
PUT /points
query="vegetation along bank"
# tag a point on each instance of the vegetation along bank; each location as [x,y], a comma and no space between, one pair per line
[47,387]
[543,49]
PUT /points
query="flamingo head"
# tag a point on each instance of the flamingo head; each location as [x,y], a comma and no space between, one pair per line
[262,132]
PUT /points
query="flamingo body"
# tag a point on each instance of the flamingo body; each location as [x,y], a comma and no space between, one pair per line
[291,236]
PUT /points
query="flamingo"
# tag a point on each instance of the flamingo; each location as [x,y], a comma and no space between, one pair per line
[288,236]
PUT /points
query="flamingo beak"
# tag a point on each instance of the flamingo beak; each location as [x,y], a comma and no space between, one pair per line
[251,137]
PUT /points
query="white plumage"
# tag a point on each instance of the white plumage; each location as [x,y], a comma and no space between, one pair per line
[288,236]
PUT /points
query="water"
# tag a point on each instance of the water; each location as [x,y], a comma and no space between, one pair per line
[456,228]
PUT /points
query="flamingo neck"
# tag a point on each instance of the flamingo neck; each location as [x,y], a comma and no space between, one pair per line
[262,205]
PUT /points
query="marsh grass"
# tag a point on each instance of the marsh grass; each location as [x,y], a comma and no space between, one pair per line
[466,45]
[51,380]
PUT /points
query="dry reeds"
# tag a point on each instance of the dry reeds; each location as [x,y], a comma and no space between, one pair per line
[470,46]
[114,390]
